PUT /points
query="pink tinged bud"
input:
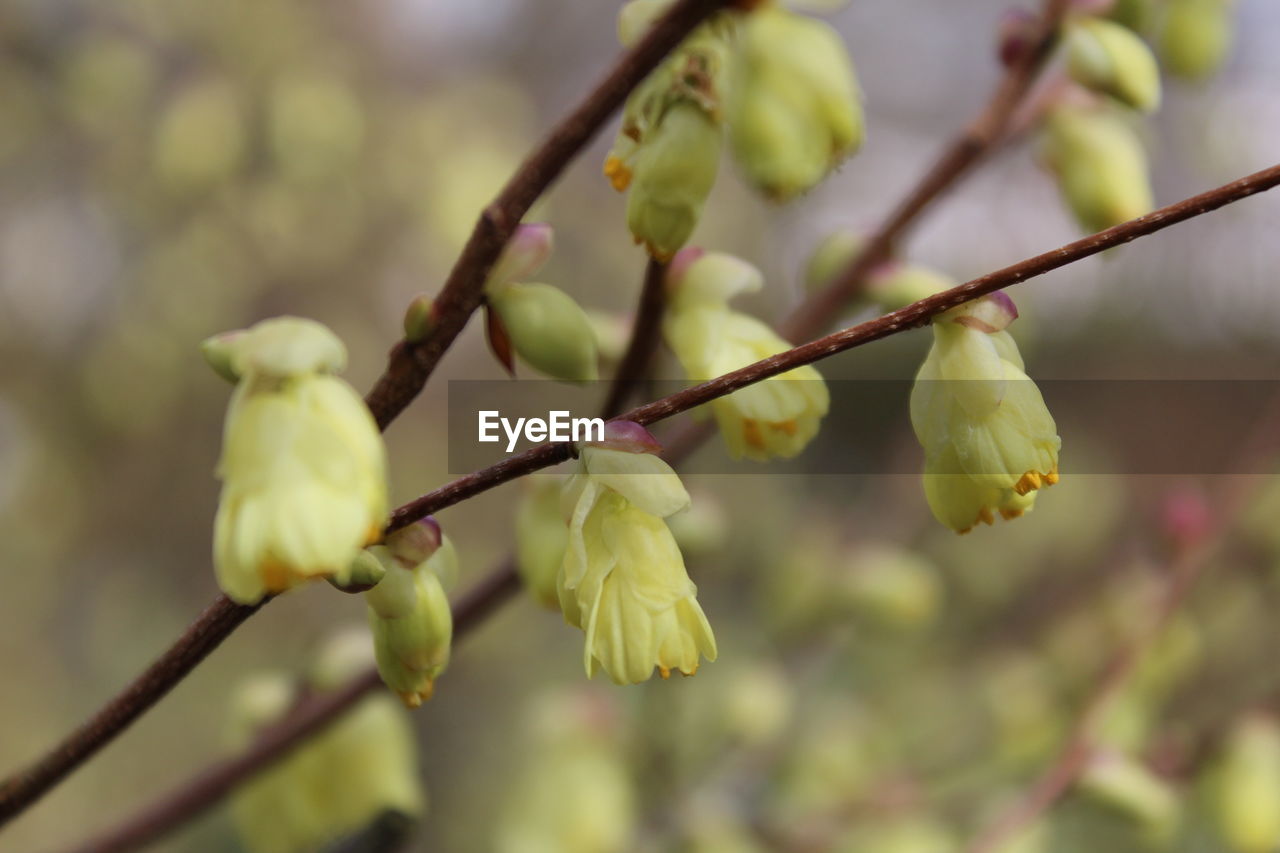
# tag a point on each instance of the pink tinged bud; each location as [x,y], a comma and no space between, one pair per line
[680,265]
[992,313]
[499,341]
[1017,34]
[414,545]
[525,253]
[627,436]
[1186,517]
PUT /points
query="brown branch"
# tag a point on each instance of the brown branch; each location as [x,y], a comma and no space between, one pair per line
[411,364]
[406,373]
[645,333]
[217,781]
[213,626]
[912,316]
[964,152]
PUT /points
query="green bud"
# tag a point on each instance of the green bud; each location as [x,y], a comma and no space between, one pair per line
[1246,786]
[1109,58]
[541,539]
[1196,36]
[220,353]
[1100,164]
[362,575]
[795,110]
[419,318]
[897,285]
[674,170]
[1124,786]
[832,257]
[412,623]
[548,330]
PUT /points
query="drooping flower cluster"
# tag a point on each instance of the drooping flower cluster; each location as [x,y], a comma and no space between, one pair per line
[303,465]
[360,768]
[775,418]
[409,612]
[623,579]
[989,441]
[783,84]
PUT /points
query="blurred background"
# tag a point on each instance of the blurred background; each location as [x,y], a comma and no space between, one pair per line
[172,170]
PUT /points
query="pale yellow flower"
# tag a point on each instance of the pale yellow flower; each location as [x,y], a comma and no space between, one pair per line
[776,418]
[988,438]
[623,581]
[303,465]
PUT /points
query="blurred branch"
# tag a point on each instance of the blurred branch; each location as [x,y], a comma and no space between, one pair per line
[964,152]
[411,363]
[645,335]
[407,372]
[216,781]
[912,316]
[213,626]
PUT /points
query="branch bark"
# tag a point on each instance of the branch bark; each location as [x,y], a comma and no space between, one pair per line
[645,334]
[411,364]
[405,375]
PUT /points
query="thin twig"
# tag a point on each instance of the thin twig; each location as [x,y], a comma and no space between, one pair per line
[217,781]
[959,156]
[645,333]
[411,364]
[213,626]
[406,373]
[912,316]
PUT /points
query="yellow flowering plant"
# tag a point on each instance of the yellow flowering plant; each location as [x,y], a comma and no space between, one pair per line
[303,465]
[775,418]
[623,579]
[990,443]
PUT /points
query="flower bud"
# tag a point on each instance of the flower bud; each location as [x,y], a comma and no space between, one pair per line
[795,111]
[1122,784]
[362,575]
[219,352]
[1017,34]
[541,539]
[1109,58]
[1246,786]
[420,318]
[414,543]
[412,623]
[674,170]
[525,253]
[1196,36]
[548,330]
[896,285]
[1100,165]
[831,258]
[628,437]
[699,277]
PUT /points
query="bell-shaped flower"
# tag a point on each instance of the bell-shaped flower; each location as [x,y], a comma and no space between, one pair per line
[795,107]
[989,440]
[623,581]
[409,612]
[303,465]
[775,418]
